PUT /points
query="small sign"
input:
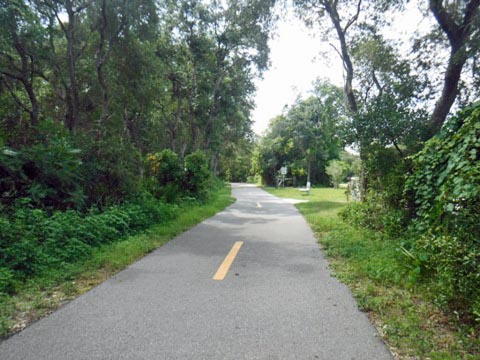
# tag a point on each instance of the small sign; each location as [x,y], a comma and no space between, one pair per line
[283,170]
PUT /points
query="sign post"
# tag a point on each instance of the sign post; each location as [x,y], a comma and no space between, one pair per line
[283,172]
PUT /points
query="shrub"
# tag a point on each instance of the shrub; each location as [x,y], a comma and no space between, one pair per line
[165,173]
[48,173]
[375,214]
[336,170]
[197,175]
[7,280]
[110,170]
[33,241]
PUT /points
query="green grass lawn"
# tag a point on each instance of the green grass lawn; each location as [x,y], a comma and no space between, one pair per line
[374,269]
[42,295]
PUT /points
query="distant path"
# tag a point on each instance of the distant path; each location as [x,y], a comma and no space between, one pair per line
[277,300]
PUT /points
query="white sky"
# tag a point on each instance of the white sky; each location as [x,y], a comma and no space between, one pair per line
[297,60]
[295,63]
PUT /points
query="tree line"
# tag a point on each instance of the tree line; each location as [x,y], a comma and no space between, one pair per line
[113,115]
[117,80]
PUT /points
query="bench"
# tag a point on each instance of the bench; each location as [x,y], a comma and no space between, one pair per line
[306,189]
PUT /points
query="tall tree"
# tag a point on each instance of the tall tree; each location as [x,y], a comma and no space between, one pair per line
[54,9]
[342,17]
[22,54]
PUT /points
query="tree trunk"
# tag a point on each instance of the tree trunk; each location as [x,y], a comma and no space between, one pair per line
[72,89]
[458,36]
[309,170]
[34,113]
[214,164]
[345,55]
[449,92]
[331,8]
[25,76]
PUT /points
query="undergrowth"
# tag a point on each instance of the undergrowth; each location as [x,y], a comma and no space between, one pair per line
[379,274]
[41,293]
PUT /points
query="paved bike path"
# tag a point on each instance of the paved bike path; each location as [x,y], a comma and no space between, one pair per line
[278,300]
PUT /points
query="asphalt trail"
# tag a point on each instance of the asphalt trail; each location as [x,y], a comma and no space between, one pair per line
[277,301]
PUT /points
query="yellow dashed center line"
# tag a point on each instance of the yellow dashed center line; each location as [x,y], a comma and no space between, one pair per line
[227,262]
[259,205]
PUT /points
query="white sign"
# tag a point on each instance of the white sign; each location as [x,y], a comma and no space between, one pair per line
[283,170]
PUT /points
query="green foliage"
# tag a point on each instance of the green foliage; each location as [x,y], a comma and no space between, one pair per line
[7,280]
[126,79]
[384,276]
[197,174]
[304,139]
[49,173]
[33,241]
[236,161]
[336,169]
[353,162]
[445,189]
[166,175]
[166,180]
[34,297]
[386,169]
[110,170]
[373,213]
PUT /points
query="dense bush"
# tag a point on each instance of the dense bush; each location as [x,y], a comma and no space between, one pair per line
[437,218]
[164,175]
[374,214]
[110,169]
[197,174]
[166,180]
[49,173]
[438,215]
[33,241]
[445,188]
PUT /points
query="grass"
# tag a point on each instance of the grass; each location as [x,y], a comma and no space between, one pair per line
[44,294]
[374,269]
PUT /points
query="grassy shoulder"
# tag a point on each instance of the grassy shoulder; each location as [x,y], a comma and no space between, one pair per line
[43,294]
[375,270]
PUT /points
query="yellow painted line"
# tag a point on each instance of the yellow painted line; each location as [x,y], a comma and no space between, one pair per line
[227,262]
[259,205]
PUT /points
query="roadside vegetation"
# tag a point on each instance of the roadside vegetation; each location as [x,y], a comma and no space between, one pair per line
[116,120]
[116,116]
[408,245]
[46,290]
[379,272]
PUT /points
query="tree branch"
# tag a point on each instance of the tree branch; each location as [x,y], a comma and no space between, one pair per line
[17,99]
[470,12]
[13,76]
[338,52]
[60,21]
[354,18]
[82,7]
[445,20]
[377,83]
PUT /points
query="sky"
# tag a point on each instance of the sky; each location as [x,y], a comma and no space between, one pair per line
[296,61]
[298,58]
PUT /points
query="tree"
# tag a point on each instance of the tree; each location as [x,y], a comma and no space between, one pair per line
[128,78]
[304,137]
[336,170]
[52,10]
[22,55]
[342,19]
[460,22]
[388,114]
